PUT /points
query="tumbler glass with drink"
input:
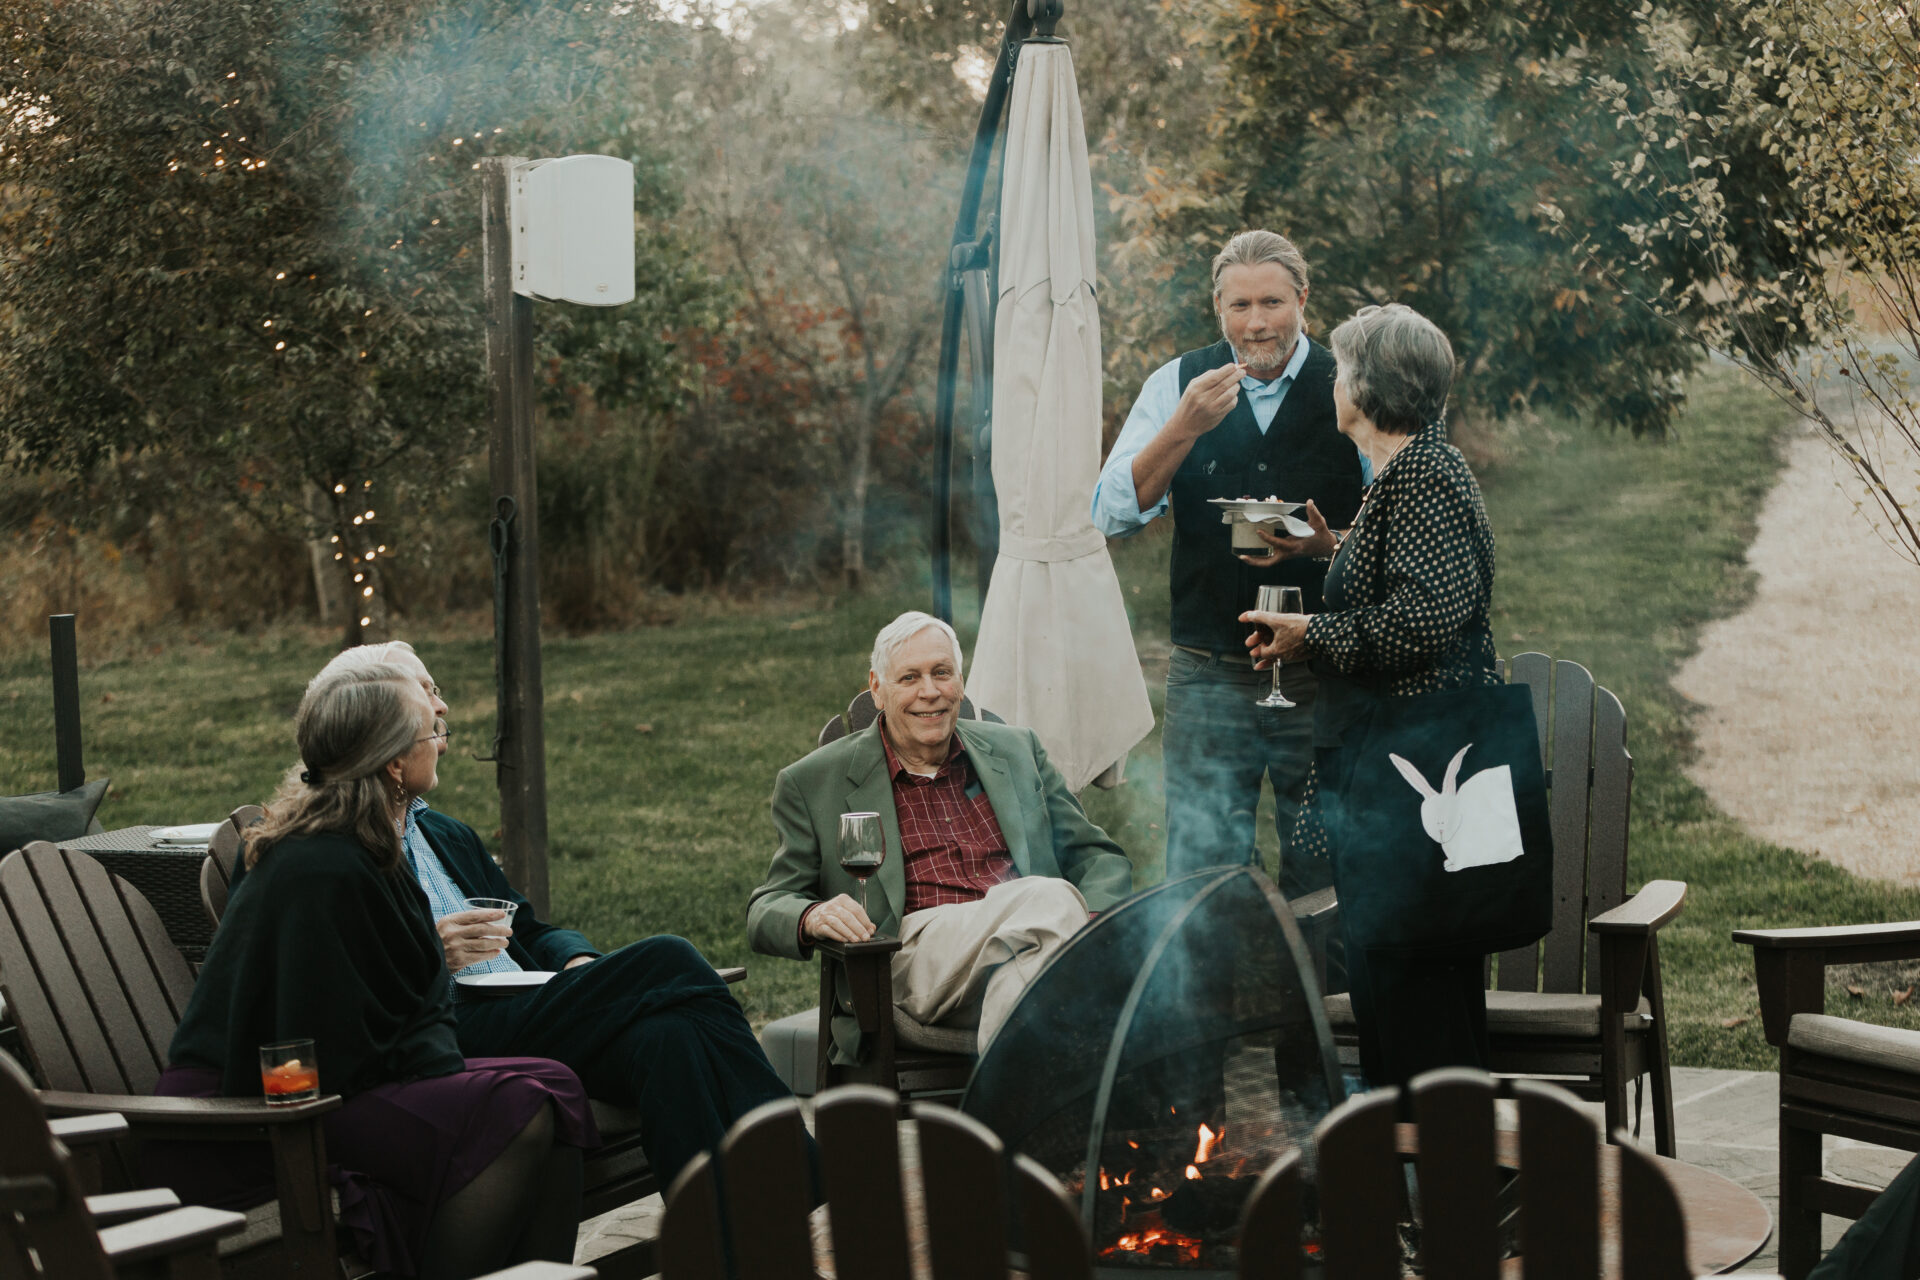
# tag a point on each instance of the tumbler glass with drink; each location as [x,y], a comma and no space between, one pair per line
[289,1072]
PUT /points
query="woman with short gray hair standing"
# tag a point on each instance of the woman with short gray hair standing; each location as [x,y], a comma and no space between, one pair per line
[1407,597]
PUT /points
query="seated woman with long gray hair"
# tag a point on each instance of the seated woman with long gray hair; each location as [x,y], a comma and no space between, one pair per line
[446,1166]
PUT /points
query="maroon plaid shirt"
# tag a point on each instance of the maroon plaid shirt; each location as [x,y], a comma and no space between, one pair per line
[951,846]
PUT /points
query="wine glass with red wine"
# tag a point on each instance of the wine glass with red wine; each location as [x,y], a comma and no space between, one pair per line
[1277,600]
[863,847]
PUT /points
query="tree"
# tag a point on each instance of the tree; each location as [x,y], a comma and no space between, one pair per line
[830,214]
[1832,89]
[248,235]
[1428,154]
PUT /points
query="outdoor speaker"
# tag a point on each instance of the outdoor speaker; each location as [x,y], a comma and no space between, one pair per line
[573,230]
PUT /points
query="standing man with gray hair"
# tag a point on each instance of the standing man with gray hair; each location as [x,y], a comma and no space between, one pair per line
[1250,416]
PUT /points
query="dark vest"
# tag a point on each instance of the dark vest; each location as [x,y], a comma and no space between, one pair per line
[1301,456]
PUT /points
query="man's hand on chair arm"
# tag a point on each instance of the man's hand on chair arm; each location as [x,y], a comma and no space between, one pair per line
[837,920]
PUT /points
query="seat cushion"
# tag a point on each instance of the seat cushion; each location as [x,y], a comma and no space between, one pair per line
[792,1045]
[1890,1048]
[1522,1013]
[934,1039]
[613,1120]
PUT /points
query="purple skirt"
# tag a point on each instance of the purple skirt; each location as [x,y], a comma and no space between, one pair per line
[395,1152]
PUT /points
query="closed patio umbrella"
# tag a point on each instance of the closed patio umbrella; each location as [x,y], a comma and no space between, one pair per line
[1055,652]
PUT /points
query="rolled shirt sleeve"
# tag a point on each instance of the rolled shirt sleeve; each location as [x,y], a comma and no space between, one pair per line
[1116,506]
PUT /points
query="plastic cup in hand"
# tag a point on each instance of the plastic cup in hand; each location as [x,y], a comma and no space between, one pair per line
[1278,600]
[289,1072]
[863,847]
[496,904]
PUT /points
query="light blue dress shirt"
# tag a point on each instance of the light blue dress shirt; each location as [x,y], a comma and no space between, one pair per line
[443,895]
[1116,504]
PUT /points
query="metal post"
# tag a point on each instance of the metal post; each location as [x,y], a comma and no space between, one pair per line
[66,701]
[520,758]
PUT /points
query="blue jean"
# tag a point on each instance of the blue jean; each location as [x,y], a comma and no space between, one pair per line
[1219,747]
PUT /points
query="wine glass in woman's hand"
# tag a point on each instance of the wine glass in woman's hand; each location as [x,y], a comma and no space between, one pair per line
[1277,600]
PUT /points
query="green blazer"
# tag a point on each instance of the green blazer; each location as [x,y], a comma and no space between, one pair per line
[1047,834]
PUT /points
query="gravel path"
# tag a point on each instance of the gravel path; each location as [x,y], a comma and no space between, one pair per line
[1810,728]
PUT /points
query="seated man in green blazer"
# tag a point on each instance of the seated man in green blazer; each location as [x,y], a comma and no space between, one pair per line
[991,863]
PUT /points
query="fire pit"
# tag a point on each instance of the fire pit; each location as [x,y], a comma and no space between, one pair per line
[1170,1053]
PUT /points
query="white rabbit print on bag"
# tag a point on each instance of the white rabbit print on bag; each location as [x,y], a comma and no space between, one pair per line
[1476,824]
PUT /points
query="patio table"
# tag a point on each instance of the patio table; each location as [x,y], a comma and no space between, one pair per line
[168,876]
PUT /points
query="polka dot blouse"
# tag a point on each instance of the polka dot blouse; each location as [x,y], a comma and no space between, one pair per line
[1408,593]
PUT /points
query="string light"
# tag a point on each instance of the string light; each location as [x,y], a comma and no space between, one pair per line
[280,346]
[366,622]
[366,591]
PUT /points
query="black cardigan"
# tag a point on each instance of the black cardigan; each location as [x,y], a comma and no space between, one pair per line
[319,943]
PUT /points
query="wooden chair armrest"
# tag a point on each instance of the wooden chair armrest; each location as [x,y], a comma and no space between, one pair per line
[166,1233]
[120,1206]
[102,1126]
[1646,911]
[1837,938]
[732,974]
[852,952]
[211,1118]
[1790,965]
[29,1193]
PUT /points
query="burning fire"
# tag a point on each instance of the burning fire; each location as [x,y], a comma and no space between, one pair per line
[1149,1234]
[1157,1237]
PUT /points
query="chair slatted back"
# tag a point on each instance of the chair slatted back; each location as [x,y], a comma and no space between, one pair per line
[93,981]
[1583,745]
[223,854]
[45,1229]
[1560,1201]
[751,1202]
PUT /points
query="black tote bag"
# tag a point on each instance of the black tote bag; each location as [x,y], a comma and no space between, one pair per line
[1435,806]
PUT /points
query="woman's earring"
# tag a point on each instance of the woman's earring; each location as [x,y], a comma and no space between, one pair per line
[399,796]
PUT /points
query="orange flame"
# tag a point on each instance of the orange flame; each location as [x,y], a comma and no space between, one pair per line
[1209,1141]
[1193,1174]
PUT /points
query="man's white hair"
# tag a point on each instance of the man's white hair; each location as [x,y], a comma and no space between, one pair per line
[902,629]
[363,655]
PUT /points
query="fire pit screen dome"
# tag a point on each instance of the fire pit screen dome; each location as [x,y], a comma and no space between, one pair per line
[1171,1052]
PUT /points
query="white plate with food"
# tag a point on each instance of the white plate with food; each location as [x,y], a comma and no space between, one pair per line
[522,980]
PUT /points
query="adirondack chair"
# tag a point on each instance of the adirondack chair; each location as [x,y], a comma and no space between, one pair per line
[1361,1151]
[223,852]
[908,1057]
[1585,1004]
[97,988]
[756,1210]
[1837,1076]
[48,1225]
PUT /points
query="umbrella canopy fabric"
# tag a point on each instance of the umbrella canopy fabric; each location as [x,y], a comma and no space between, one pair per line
[1055,651]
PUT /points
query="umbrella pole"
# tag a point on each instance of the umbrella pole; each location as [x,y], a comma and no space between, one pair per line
[963,249]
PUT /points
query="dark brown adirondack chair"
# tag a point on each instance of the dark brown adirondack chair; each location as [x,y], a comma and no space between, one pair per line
[223,853]
[761,1220]
[1585,1004]
[1837,1076]
[1456,1150]
[50,1228]
[905,1056]
[97,988]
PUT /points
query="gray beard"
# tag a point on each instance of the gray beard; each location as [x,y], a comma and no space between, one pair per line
[1260,361]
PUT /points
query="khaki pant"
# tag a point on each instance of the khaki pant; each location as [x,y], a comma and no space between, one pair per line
[968,963]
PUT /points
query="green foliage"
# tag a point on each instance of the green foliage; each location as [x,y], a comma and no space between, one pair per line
[247,236]
[1426,154]
[1831,90]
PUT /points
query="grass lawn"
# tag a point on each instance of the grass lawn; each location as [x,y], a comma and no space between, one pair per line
[663,742]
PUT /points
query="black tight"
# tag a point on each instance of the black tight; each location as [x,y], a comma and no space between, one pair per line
[524,1207]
